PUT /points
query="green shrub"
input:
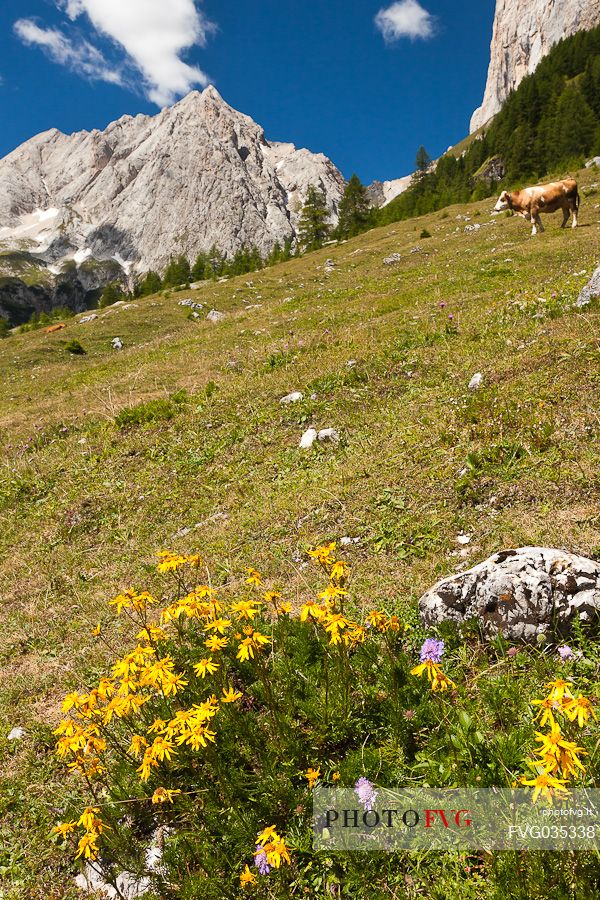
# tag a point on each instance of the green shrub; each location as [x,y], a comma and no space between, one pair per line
[146,413]
[425,234]
[75,348]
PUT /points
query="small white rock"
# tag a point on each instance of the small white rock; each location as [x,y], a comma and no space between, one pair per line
[464,538]
[87,319]
[329,434]
[294,397]
[215,316]
[476,382]
[17,734]
[308,438]
[117,343]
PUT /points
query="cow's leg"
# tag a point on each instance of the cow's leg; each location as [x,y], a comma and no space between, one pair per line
[537,222]
[566,214]
[574,225]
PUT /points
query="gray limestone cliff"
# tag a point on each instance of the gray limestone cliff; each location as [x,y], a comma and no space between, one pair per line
[524,32]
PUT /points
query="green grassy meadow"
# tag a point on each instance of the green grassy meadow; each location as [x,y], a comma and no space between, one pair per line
[179,442]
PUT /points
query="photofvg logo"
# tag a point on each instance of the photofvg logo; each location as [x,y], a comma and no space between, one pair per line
[369,817]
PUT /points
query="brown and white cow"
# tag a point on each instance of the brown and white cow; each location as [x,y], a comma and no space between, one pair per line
[546,198]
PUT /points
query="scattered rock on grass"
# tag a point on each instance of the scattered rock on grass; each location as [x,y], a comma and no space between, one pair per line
[215,316]
[527,594]
[117,343]
[476,382]
[17,734]
[591,290]
[329,435]
[294,397]
[392,259]
[87,319]
[308,438]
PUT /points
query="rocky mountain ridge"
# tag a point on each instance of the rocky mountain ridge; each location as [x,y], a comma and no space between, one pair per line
[524,32]
[197,174]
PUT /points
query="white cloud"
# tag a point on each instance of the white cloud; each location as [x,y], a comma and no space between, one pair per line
[407,18]
[82,57]
[154,34]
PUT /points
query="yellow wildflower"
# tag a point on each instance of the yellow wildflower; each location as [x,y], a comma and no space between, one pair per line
[439,681]
[152,633]
[336,776]
[332,592]
[170,562]
[277,852]
[161,749]
[194,560]
[339,571]
[245,609]
[123,601]
[313,609]
[87,847]
[247,878]
[546,712]
[90,821]
[214,643]
[230,695]
[254,577]
[377,620]
[164,795]
[205,667]
[64,828]
[334,624]
[324,554]
[250,645]
[547,786]
[96,632]
[266,835]
[579,708]
[219,625]
[138,743]
[312,776]
[559,690]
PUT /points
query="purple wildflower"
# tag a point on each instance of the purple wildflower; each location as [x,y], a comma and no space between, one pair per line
[565,652]
[432,651]
[260,861]
[451,317]
[366,793]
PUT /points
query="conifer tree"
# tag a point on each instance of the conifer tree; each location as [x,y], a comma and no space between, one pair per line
[313,228]
[199,269]
[354,211]
[177,272]
[150,284]
[111,294]
[575,125]
[423,160]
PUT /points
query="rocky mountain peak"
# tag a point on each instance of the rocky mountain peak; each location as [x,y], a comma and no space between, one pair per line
[148,187]
[524,32]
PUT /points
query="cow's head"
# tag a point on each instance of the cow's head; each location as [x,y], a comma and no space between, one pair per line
[503,202]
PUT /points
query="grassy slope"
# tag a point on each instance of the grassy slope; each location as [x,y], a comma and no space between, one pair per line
[85,504]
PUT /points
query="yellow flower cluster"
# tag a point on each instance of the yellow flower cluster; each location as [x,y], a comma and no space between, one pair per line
[92,826]
[116,719]
[339,628]
[557,759]
[435,676]
[273,846]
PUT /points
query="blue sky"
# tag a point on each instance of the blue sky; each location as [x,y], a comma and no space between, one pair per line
[325,74]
